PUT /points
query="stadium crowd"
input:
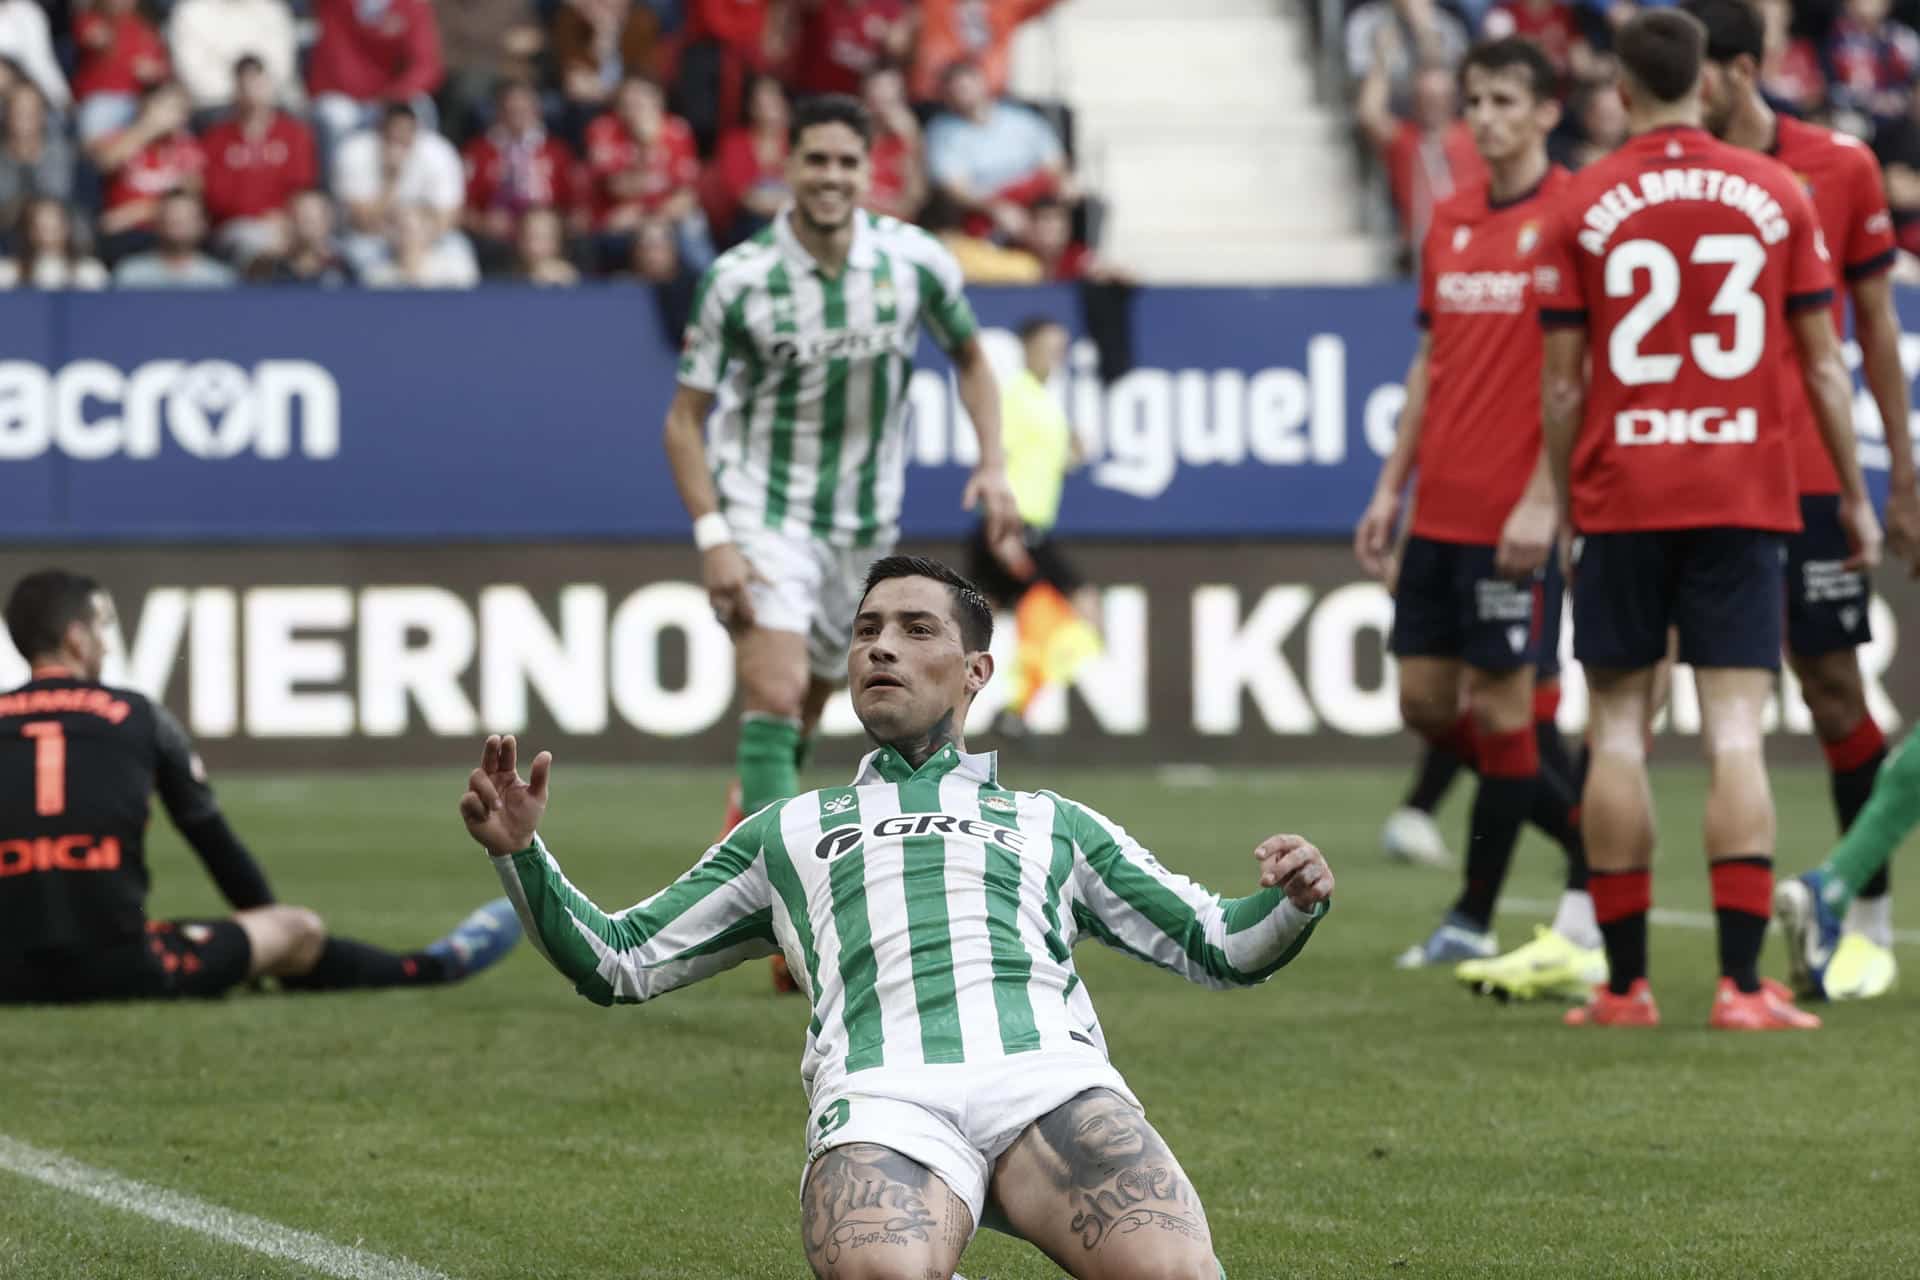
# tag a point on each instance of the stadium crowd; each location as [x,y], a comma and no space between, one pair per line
[440,143]
[1848,64]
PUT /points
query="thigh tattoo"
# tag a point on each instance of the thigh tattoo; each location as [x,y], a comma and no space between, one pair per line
[862,1195]
[1117,1174]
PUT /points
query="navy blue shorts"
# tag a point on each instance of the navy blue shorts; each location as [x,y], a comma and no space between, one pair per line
[1826,603]
[1722,588]
[1449,603]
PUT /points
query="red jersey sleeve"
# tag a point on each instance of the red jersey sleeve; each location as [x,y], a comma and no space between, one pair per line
[1558,293]
[1809,265]
[1870,247]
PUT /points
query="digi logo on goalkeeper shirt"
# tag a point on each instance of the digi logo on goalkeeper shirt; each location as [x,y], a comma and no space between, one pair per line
[844,840]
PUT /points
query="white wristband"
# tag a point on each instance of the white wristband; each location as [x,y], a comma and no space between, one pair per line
[712,530]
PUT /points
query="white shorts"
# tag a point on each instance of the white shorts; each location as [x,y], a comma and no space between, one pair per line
[954,1118]
[811,587]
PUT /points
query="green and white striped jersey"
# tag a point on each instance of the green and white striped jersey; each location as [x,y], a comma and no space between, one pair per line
[811,373]
[930,915]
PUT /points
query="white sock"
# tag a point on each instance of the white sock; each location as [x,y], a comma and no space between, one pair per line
[1873,917]
[1574,921]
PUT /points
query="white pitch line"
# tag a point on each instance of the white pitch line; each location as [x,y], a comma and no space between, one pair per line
[1678,919]
[227,1225]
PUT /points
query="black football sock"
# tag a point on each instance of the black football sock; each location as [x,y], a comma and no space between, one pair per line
[348,965]
[1742,904]
[1621,900]
[1509,770]
[1438,768]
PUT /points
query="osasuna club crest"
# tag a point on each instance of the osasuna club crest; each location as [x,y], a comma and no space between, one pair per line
[841,841]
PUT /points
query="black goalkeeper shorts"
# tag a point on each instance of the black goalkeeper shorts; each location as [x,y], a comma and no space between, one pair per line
[173,959]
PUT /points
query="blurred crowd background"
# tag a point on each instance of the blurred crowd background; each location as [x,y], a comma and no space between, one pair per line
[1850,64]
[443,143]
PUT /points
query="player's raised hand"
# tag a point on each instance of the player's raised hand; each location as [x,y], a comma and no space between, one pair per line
[501,809]
[1863,531]
[1297,867]
[1373,536]
[1903,528]
[989,489]
[729,578]
[1526,539]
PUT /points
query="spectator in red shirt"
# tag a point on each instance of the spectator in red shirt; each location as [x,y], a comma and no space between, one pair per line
[1050,239]
[750,171]
[1427,157]
[513,169]
[898,157]
[842,41]
[644,165]
[978,30]
[370,53]
[118,57]
[144,163]
[258,159]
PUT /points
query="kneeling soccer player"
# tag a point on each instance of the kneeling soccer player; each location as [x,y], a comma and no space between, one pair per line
[954,1064]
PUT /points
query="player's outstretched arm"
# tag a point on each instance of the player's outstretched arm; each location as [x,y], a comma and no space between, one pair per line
[1830,391]
[1128,900]
[715,916]
[181,781]
[1373,536]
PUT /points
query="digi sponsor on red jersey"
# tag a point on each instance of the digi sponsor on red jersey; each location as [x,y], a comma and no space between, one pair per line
[1681,257]
[1842,179]
[1480,433]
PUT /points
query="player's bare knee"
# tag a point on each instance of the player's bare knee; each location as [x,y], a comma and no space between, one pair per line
[1162,1258]
[1835,696]
[1428,716]
[1501,703]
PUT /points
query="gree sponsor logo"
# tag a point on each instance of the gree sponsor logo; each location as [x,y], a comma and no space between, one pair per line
[1686,426]
[58,853]
[844,840]
[211,409]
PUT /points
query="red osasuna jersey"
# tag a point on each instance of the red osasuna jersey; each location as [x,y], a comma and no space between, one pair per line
[1681,257]
[1842,179]
[1480,433]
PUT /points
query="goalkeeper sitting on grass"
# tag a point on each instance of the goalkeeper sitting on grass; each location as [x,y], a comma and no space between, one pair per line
[955,1069]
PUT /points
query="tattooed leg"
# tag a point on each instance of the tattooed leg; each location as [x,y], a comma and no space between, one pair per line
[869,1213]
[1095,1187]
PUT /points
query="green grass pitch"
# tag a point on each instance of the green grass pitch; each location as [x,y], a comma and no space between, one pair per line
[1344,1120]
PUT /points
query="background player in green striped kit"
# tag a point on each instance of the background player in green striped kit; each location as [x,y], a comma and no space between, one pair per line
[954,1066]
[806,334]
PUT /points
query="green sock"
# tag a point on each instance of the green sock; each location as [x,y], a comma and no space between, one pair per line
[1891,814]
[802,751]
[765,760]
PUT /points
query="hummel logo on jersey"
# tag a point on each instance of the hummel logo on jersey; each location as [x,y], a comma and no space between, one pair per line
[1686,426]
[839,804]
[1850,618]
[844,840]
[1517,637]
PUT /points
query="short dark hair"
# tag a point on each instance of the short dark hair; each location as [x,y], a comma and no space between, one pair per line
[958,67]
[247,62]
[970,608]
[831,108]
[43,605]
[1661,49]
[1036,324]
[1515,53]
[1733,28]
[398,111]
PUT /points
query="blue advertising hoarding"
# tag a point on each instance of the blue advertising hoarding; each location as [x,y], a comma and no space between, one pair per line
[265,415]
